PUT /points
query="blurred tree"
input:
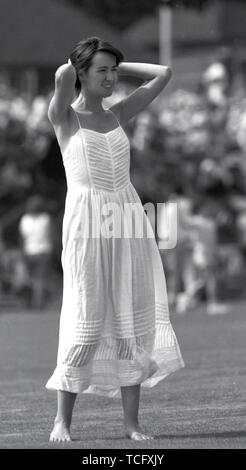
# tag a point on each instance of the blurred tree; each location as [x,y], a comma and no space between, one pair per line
[122,14]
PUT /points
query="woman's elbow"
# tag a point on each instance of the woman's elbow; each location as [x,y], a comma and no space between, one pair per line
[50,112]
[65,73]
[167,72]
[59,73]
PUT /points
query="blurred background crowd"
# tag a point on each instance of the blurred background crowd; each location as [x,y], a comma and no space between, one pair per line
[189,146]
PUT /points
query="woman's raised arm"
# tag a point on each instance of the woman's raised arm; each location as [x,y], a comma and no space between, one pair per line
[157,77]
[65,78]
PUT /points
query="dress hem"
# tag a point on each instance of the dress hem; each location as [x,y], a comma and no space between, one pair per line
[148,379]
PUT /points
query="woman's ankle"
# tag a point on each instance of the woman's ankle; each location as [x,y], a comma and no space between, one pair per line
[131,425]
[63,421]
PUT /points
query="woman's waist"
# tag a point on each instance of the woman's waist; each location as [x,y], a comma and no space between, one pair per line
[80,196]
[79,188]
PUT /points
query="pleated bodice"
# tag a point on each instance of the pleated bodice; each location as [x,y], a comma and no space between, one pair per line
[98,160]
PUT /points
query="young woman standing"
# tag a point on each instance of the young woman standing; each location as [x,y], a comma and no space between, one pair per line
[115,333]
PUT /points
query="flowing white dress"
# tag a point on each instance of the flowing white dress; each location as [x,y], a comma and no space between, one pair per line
[114,325]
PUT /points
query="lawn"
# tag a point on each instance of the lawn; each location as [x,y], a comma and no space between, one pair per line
[199,407]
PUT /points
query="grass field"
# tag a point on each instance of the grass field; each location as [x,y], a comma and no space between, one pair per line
[199,407]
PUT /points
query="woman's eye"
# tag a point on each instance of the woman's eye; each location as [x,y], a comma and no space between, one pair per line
[104,70]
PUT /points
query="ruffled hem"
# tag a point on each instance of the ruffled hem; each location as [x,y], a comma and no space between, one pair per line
[106,377]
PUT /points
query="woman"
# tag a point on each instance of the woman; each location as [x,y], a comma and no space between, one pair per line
[115,332]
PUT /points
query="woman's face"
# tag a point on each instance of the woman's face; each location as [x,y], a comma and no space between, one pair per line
[101,76]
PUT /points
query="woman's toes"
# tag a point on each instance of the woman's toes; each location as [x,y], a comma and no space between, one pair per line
[138,436]
[60,433]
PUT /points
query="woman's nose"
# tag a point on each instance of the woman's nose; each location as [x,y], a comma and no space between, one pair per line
[109,76]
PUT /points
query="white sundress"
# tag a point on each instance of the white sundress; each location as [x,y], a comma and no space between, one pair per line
[114,324]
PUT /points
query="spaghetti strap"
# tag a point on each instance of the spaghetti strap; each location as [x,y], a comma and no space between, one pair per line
[115,117]
[76,114]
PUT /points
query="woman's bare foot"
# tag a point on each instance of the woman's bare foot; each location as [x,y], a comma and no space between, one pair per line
[136,434]
[60,432]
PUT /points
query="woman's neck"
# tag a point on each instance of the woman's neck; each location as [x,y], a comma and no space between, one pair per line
[90,104]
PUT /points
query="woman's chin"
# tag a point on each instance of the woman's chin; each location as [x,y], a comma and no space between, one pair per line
[107,92]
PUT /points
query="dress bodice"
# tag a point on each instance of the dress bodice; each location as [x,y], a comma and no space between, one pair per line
[97,160]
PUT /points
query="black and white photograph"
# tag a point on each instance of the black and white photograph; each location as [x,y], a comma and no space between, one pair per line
[123,229]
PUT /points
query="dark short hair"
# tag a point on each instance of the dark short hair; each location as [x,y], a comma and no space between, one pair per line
[83,53]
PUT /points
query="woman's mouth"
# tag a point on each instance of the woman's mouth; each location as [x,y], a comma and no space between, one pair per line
[108,87]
